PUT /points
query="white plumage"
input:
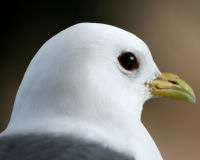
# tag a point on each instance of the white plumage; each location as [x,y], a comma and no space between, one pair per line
[75,86]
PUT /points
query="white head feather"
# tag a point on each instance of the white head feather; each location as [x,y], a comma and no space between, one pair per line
[75,85]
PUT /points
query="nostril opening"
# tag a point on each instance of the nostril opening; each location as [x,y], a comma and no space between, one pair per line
[173,82]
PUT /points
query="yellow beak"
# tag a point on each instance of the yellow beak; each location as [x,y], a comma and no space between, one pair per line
[171,86]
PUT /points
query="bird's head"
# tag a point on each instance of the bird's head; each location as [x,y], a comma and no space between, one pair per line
[94,71]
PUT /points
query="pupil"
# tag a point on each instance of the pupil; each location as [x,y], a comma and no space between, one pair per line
[128,61]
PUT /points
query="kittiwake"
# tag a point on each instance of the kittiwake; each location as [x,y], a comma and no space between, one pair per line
[82,96]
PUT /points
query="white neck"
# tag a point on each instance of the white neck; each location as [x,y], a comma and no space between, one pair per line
[130,138]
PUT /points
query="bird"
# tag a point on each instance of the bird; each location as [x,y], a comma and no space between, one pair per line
[82,97]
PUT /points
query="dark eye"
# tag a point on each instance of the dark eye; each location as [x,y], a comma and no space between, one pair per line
[128,61]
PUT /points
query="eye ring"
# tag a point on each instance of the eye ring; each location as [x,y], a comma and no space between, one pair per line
[128,61]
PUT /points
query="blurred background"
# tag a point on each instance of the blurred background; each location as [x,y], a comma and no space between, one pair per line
[170,28]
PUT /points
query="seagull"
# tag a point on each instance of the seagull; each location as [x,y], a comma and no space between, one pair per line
[82,97]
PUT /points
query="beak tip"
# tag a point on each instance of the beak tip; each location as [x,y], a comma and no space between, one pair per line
[193,100]
[193,97]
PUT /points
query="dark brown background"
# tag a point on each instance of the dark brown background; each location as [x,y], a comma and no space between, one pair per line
[170,28]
